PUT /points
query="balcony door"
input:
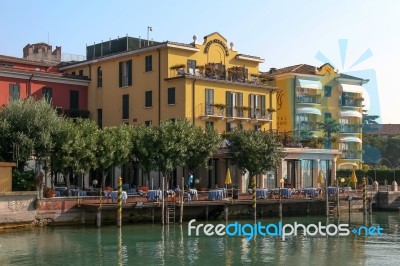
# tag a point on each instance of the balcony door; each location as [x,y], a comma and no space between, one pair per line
[73,100]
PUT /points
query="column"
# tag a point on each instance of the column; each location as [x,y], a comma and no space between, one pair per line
[333,172]
[316,169]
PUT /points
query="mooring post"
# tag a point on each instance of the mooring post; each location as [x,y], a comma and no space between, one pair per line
[226,213]
[119,208]
[364,180]
[98,216]
[163,200]
[206,212]
[254,196]
[182,197]
[337,199]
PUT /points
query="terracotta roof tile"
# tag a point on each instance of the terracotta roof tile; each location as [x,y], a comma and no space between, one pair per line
[383,129]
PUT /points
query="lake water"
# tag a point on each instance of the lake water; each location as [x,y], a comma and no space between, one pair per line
[153,244]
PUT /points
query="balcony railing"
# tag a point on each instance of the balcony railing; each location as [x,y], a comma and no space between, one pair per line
[350,102]
[351,155]
[345,128]
[308,126]
[220,111]
[313,99]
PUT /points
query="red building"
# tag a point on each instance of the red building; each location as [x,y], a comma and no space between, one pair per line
[40,77]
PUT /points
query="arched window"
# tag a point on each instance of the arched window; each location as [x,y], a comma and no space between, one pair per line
[99,77]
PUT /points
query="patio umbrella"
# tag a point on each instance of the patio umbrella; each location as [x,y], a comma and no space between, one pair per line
[353,178]
[228,179]
[321,179]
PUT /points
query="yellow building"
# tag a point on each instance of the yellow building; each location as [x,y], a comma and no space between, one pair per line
[312,94]
[206,83]
[135,81]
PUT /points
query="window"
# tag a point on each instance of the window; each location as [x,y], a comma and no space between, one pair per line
[125,73]
[171,95]
[100,118]
[148,99]
[125,106]
[73,73]
[328,115]
[81,72]
[99,77]
[209,101]
[47,93]
[148,122]
[228,127]
[233,100]
[257,106]
[307,172]
[191,64]
[210,124]
[257,127]
[14,92]
[149,63]
[327,91]
[74,100]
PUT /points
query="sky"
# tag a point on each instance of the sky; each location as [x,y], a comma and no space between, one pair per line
[282,32]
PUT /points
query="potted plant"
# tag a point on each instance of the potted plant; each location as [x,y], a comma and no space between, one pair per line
[220,106]
[177,66]
[271,110]
[49,192]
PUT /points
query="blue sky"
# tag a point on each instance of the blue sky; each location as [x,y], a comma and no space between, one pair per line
[282,32]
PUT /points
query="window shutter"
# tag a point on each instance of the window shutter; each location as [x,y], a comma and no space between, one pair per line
[252,105]
[229,103]
[120,74]
[209,101]
[240,103]
[263,109]
[129,71]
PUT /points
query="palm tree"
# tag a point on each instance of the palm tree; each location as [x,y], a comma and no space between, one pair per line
[329,126]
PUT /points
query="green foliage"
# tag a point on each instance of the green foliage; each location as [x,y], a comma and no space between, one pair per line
[330,127]
[174,140]
[381,175]
[23,180]
[255,151]
[203,144]
[26,128]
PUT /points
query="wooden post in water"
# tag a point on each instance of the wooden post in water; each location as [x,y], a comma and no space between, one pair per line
[119,208]
[254,196]
[162,204]
[364,180]
[337,199]
[182,197]
[98,216]
[226,212]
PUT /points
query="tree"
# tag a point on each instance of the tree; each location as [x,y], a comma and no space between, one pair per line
[255,151]
[330,127]
[204,143]
[113,148]
[75,148]
[145,147]
[26,128]
[174,141]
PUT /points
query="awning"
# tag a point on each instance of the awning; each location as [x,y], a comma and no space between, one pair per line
[352,88]
[350,139]
[351,114]
[308,110]
[310,84]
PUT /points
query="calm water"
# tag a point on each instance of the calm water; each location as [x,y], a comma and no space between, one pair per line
[171,245]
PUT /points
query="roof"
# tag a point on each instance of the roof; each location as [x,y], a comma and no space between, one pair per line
[11,59]
[345,76]
[300,68]
[384,129]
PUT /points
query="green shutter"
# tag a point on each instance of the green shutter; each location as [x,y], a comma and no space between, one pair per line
[129,70]
[120,74]
[229,103]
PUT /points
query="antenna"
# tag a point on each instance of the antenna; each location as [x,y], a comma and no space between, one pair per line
[148,32]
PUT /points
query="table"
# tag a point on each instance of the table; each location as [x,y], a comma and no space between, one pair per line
[312,192]
[216,194]
[154,195]
[345,189]
[286,192]
[193,192]
[114,196]
[74,192]
[60,191]
[332,191]
[261,193]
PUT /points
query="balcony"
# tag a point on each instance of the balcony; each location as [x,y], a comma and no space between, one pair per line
[236,113]
[309,99]
[350,102]
[307,126]
[351,155]
[346,128]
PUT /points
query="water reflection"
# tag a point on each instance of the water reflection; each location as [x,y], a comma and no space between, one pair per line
[171,245]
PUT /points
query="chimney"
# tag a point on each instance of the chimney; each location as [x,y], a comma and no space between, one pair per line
[272,70]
